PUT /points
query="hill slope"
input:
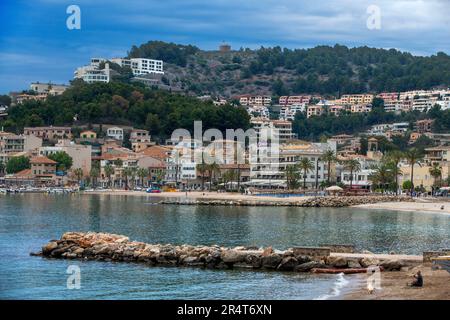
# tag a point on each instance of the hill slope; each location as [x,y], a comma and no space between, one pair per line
[278,71]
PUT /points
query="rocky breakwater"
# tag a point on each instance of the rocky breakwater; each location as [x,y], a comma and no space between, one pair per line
[111,247]
[327,201]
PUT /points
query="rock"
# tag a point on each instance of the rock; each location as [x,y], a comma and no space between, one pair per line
[306,267]
[267,251]
[232,256]
[254,260]
[303,259]
[78,251]
[287,264]
[271,261]
[354,264]
[337,262]
[392,265]
[369,261]
[49,247]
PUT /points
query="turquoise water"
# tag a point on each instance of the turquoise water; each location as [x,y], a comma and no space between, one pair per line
[29,220]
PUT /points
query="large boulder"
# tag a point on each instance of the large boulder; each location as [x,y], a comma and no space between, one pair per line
[392,265]
[271,261]
[306,267]
[287,264]
[369,261]
[49,247]
[354,264]
[232,256]
[337,262]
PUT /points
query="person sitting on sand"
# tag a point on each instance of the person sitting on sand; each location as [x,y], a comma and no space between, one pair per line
[418,280]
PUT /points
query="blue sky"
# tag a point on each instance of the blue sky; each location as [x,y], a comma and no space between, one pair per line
[35,44]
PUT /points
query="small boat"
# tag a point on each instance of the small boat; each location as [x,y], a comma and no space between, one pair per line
[344,271]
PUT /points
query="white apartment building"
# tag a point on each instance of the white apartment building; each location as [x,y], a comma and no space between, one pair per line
[282,130]
[141,66]
[92,73]
[258,112]
[269,175]
[423,104]
[115,133]
[288,112]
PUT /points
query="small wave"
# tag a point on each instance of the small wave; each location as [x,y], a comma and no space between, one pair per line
[335,291]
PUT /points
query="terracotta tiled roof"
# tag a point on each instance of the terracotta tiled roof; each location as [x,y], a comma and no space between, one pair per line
[158,152]
[23,173]
[42,160]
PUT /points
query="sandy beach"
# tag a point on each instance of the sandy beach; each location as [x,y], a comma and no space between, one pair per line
[393,286]
[430,206]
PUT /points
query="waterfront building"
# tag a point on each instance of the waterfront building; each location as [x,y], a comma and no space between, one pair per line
[282,129]
[272,175]
[81,154]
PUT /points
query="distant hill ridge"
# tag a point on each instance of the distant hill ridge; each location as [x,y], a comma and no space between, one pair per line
[280,71]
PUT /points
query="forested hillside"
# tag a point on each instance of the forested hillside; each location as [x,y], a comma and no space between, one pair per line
[279,71]
[159,111]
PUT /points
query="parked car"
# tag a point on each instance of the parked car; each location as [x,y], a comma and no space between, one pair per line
[153,190]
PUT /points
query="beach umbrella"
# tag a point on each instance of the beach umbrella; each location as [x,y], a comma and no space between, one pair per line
[334,188]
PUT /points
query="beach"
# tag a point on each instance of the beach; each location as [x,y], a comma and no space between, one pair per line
[429,206]
[393,286]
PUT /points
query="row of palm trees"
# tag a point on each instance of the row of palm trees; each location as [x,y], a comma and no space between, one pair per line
[127,174]
[387,172]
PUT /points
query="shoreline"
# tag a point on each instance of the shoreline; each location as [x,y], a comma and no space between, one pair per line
[393,286]
[416,206]
[432,206]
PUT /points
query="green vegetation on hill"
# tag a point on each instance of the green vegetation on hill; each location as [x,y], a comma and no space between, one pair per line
[279,71]
[161,112]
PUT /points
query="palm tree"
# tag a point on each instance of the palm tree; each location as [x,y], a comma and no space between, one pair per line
[109,171]
[2,168]
[127,172]
[305,165]
[230,176]
[292,176]
[213,168]
[382,175]
[202,168]
[394,158]
[413,156]
[329,157]
[79,174]
[94,174]
[436,173]
[142,173]
[353,166]
[133,173]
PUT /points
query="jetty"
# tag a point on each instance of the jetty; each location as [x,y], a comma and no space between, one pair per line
[319,201]
[119,248]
